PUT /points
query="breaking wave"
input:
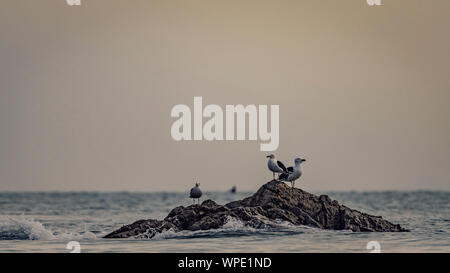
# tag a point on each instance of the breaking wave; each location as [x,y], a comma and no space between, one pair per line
[232,228]
[23,228]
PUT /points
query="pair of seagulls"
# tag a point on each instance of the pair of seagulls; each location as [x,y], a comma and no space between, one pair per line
[290,174]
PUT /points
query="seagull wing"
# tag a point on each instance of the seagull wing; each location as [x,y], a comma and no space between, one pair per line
[281,165]
[283,176]
[290,169]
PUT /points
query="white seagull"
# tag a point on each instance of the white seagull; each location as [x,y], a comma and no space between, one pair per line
[196,193]
[275,167]
[293,173]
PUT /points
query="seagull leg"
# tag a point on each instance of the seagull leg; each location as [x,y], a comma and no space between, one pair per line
[273,176]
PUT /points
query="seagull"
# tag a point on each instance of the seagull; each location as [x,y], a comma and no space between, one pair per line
[196,193]
[293,173]
[275,167]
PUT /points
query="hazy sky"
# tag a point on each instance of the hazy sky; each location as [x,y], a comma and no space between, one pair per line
[86,92]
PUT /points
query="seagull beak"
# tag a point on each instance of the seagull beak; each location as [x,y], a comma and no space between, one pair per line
[268,156]
[303,160]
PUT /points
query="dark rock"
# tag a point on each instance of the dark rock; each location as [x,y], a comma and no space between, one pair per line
[273,201]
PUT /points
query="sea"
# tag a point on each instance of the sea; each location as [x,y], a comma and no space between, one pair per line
[76,222]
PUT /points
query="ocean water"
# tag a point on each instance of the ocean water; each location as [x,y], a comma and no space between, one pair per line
[47,222]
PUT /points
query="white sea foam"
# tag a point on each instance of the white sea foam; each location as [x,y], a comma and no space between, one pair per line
[22,228]
[26,228]
[232,227]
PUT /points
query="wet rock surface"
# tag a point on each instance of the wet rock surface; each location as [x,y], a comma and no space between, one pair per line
[273,201]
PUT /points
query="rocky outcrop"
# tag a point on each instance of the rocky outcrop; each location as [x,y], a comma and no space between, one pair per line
[273,201]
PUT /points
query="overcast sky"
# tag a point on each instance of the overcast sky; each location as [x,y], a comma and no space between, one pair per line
[86,92]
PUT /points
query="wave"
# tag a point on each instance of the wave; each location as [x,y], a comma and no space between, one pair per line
[23,228]
[232,228]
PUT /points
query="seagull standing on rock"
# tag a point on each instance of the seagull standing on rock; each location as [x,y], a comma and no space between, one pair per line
[196,193]
[275,166]
[293,173]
